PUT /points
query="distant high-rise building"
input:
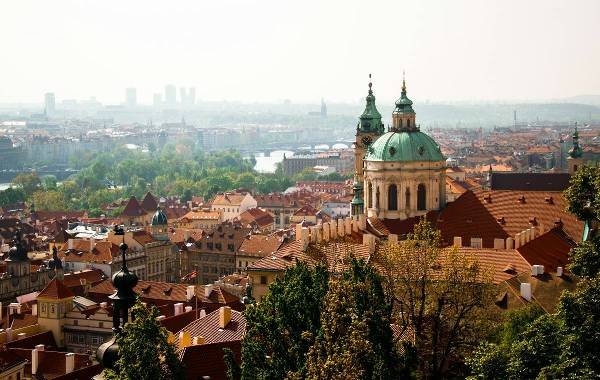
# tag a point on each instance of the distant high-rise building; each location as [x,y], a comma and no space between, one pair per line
[49,103]
[192,96]
[323,108]
[183,96]
[130,97]
[157,100]
[170,95]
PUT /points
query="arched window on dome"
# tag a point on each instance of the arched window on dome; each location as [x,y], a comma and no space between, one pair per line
[369,195]
[393,198]
[407,123]
[407,198]
[421,198]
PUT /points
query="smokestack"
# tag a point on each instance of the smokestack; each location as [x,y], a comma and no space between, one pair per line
[69,362]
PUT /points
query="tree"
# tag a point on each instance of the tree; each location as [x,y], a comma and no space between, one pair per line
[49,182]
[584,258]
[281,329]
[29,182]
[246,181]
[49,201]
[440,296]
[11,196]
[355,339]
[583,193]
[144,351]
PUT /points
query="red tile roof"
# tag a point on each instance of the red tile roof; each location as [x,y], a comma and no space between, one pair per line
[52,364]
[147,290]
[133,208]
[259,245]
[208,328]
[57,290]
[46,338]
[149,203]
[550,250]
[256,216]
[143,237]
[206,360]
[23,320]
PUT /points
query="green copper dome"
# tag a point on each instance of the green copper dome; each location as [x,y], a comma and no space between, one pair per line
[370,120]
[404,104]
[159,218]
[404,146]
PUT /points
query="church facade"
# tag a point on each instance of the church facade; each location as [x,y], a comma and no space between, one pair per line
[401,173]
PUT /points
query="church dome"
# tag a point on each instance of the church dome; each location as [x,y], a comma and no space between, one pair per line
[404,146]
[159,218]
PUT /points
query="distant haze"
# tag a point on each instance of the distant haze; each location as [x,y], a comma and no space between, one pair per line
[270,50]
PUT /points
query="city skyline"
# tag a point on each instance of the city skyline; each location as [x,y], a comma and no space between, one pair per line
[464,51]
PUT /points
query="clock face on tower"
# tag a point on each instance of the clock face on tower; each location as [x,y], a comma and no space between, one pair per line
[366,141]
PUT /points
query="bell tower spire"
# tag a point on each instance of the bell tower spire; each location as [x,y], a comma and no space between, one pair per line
[404,117]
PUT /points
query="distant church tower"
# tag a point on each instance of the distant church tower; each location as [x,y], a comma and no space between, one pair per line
[368,129]
[575,159]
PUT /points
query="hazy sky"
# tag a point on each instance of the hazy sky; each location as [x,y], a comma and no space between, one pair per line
[269,50]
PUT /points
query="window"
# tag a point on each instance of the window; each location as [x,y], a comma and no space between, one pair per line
[101,324]
[231,247]
[263,280]
[369,195]
[209,246]
[52,309]
[81,339]
[407,198]
[218,246]
[421,198]
[75,322]
[393,198]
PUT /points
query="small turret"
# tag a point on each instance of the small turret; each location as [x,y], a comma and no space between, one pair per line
[357,204]
[370,120]
[404,117]
[575,159]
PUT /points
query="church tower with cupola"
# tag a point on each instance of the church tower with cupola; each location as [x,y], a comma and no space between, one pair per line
[369,128]
[404,169]
[575,159]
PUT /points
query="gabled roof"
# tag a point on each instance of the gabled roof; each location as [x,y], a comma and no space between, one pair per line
[149,203]
[103,252]
[228,199]
[56,290]
[219,296]
[258,216]
[306,210]
[133,208]
[148,290]
[208,328]
[550,250]
[259,245]
[206,360]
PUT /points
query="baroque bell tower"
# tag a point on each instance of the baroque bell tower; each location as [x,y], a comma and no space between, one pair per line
[368,129]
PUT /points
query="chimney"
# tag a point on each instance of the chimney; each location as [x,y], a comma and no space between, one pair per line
[457,241]
[198,340]
[21,336]
[207,290]
[526,291]
[341,230]
[510,243]
[190,291]
[186,235]
[92,244]
[1,311]
[348,225]
[69,362]
[326,232]
[498,243]
[517,240]
[188,309]
[333,229]
[103,305]
[185,340]
[304,236]
[362,222]
[299,231]
[224,316]
[160,317]
[34,309]
[319,232]
[202,314]
[313,234]
[9,334]
[70,244]
[559,271]
[35,359]
[178,308]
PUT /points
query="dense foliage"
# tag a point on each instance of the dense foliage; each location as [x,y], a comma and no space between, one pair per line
[176,169]
[144,351]
[565,344]
[315,325]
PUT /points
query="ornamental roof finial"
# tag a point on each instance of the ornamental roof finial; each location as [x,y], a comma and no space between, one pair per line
[403,83]
[370,85]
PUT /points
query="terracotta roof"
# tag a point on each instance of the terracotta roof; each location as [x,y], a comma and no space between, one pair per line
[550,250]
[89,276]
[8,360]
[45,215]
[103,252]
[259,245]
[306,210]
[493,214]
[503,264]
[46,338]
[52,364]
[333,254]
[23,320]
[202,215]
[143,237]
[55,289]
[175,323]
[219,296]
[530,181]
[258,216]
[149,203]
[148,290]
[133,208]
[177,235]
[208,328]
[206,360]
[229,199]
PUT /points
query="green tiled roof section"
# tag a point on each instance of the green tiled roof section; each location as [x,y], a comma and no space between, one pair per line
[404,146]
